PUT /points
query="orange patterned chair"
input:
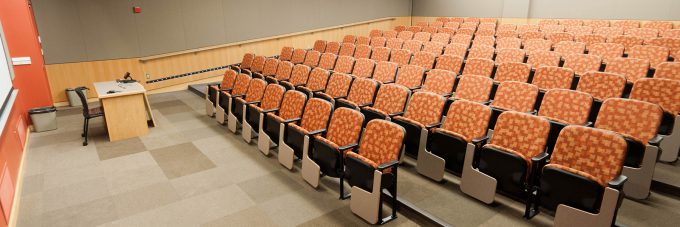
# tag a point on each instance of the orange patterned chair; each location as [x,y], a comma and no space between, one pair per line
[505,163]
[389,102]
[319,45]
[212,94]
[286,54]
[571,23]
[608,32]
[423,59]
[405,35]
[464,129]
[375,33]
[394,43]
[474,88]
[655,54]
[638,122]
[485,32]
[543,58]
[510,55]
[344,64]
[333,48]
[582,63]
[347,49]
[465,31]
[431,29]
[631,68]
[673,33]
[297,58]
[224,99]
[478,66]
[627,41]
[535,45]
[515,96]
[312,58]
[643,33]
[663,92]
[626,24]
[390,34]
[452,24]
[440,82]
[462,39]
[580,30]
[410,76]
[598,23]
[422,36]
[318,79]
[506,34]
[443,38]
[583,182]
[589,40]
[328,61]
[513,72]
[338,87]
[433,47]
[531,35]
[553,77]
[363,68]
[456,49]
[401,56]
[668,70]
[349,39]
[413,45]
[294,136]
[381,54]
[283,72]
[274,120]
[363,40]
[257,66]
[506,27]
[662,26]
[378,41]
[607,51]
[602,85]
[484,41]
[558,37]
[238,103]
[373,169]
[363,51]
[673,44]
[361,94]
[416,29]
[385,72]
[254,112]
[564,107]
[570,47]
[449,62]
[298,77]
[482,52]
[548,22]
[423,113]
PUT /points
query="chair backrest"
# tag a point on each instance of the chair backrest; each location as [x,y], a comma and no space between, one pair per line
[481,51]
[571,22]
[422,36]
[414,29]
[591,39]
[663,92]
[673,33]
[298,56]
[344,64]
[602,85]
[273,94]
[80,91]
[328,61]
[300,75]
[627,41]
[456,49]
[258,63]
[673,44]
[486,32]
[543,58]
[637,119]
[286,53]
[631,68]
[425,108]
[474,88]
[423,59]
[582,63]
[655,54]
[228,79]
[401,56]
[580,30]
[467,119]
[465,31]
[413,45]
[363,51]
[462,39]
[241,84]
[375,33]
[517,96]
[391,98]
[522,133]
[385,71]
[506,34]
[381,54]
[345,127]
[381,142]
[593,153]
[363,40]
[284,70]
[478,66]
[318,79]
[547,22]
[434,47]
[510,55]
[522,28]
[452,24]
[607,51]
[292,105]
[363,67]
[394,43]
[506,27]
[668,70]
[255,90]
[362,91]
[316,114]
[378,41]
[558,37]
[332,47]
[566,106]
[484,41]
[449,62]
[441,37]
[531,35]
[410,76]
[513,72]
[598,23]
[349,39]
[405,35]
[338,85]
[312,58]
[608,32]
[552,29]
[552,77]
[347,49]
[270,67]
[536,45]
[320,45]
[570,47]
[508,43]
[643,33]
[247,60]
[439,81]
[662,26]
[390,34]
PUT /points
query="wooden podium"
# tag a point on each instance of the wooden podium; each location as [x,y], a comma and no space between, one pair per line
[127,112]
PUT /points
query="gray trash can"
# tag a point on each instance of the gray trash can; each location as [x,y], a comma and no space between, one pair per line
[44,118]
[73,98]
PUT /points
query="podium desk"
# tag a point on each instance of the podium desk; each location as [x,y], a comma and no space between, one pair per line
[127,112]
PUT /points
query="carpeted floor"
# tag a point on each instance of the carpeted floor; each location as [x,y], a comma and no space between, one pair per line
[190,171]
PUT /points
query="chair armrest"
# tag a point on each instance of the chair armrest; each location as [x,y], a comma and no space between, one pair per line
[388,82]
[388,165]
[480,141]
[428,127]
[270,110]
[617,183]
[533,112]
[316,132]
[238,96]
[253,102]
[225,89]
[588,124]
[396,114]
[656,140]
[291,120]
[542,157]
[365,104]
[347,147]
[487,103]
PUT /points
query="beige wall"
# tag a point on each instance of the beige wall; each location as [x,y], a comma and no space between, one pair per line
[585,9]
[90,30]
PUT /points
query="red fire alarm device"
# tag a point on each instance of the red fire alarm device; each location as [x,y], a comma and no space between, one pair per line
[137,9]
